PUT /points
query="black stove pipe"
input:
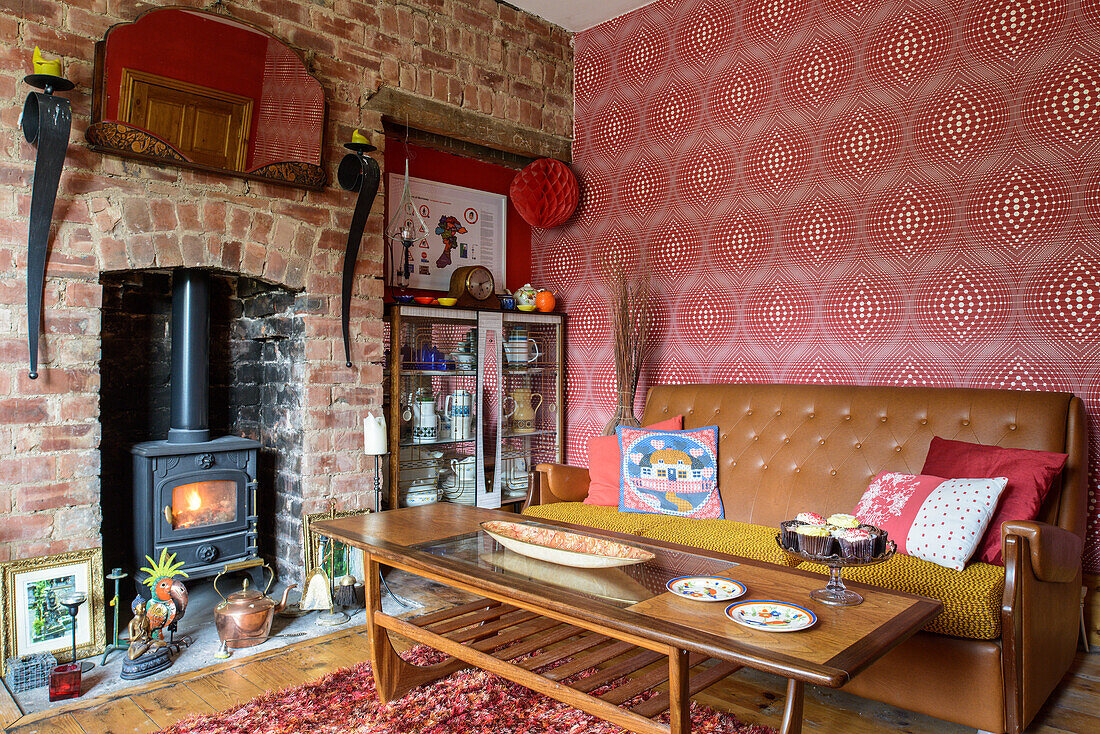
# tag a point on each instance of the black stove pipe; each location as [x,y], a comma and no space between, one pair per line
[190,419]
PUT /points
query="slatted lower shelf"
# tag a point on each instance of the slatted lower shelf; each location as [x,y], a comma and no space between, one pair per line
[562,660]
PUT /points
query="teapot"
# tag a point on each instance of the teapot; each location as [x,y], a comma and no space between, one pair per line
[243,618]
[525,296]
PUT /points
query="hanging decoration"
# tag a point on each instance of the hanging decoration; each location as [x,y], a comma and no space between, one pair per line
[545,193]
[406,226]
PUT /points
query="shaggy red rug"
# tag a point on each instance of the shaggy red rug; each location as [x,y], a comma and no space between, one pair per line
[468,702]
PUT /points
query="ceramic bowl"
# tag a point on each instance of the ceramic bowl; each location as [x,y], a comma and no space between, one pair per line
[403,299]
[447,301]
[423,300]
[508,303]
[528,307]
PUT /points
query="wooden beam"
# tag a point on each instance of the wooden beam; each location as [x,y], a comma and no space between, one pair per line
[400,107]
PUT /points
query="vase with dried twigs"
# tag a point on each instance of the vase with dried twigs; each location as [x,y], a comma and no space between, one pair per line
[631,331]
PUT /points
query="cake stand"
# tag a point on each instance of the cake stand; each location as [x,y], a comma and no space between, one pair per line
[835,593]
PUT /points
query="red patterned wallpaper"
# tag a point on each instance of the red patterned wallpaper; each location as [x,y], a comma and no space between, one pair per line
[843,191]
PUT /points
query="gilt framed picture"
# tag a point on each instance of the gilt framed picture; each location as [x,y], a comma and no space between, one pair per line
[344,559]
[34,620]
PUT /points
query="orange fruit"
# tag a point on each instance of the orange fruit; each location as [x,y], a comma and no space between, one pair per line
[545,301]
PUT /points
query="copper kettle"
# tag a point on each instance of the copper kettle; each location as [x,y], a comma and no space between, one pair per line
[243,619]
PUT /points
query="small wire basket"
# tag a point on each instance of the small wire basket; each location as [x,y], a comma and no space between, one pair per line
[29,671]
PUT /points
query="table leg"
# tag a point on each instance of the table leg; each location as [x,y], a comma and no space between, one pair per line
[679,701]
[393,677]
[792,711]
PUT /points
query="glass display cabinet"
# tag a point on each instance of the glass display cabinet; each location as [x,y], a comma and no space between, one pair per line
[473,402]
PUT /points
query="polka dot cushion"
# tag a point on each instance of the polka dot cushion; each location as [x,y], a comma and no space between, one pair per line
[939,520]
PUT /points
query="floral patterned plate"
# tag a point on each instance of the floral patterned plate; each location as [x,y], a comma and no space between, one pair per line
[706,588]
[771,616]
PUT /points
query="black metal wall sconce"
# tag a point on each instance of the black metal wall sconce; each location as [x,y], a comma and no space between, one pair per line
[46,122]
[357,172]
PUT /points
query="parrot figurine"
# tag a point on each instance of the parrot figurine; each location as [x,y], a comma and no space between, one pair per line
[167,595]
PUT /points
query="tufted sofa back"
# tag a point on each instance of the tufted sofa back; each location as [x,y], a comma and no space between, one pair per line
[785,449]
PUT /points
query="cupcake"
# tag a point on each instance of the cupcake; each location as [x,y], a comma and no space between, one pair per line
[810,518]
[846,522]
[788,538]
[879,536]
[815,540]
[857,545]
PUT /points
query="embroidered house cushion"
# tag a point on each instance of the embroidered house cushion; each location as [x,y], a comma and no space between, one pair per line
[939,520]
[1030,475]
[604,460]
[670,472]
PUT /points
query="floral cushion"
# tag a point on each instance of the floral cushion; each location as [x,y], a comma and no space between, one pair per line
[670,472]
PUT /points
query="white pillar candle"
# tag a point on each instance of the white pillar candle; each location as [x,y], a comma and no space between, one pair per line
[374,434]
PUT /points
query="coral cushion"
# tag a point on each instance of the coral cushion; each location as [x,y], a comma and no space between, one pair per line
[670,472]
[603,464]
[939,520]
[1030,476]
[545,193]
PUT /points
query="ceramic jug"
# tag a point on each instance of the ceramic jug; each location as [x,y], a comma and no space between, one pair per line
[519,349]
[523,413]
[515,473]
[459,407]
[425,419]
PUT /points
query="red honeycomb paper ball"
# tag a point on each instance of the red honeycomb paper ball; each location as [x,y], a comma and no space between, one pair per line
[545,193]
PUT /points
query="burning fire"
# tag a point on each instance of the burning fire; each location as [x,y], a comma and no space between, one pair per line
[203,503]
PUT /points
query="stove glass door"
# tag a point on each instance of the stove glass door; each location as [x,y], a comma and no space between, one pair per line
[200,504]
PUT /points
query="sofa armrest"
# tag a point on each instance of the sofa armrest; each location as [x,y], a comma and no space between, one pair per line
[1055,552]
[559,483]
[1040,610]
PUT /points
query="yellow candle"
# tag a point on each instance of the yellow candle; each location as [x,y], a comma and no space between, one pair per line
[358,137]
[42,66]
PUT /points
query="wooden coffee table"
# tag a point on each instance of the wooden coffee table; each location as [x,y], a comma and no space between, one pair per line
[530,615]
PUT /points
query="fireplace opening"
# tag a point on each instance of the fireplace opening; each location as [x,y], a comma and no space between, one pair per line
[217,503]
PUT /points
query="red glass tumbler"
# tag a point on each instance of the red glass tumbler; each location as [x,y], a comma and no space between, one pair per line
[65,682]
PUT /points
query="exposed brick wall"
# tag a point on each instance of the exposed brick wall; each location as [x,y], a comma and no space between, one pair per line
[113,214]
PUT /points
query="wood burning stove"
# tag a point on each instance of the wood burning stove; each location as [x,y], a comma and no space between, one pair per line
[194,496]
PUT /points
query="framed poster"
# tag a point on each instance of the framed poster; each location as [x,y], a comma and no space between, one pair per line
[464,227]
[34,620]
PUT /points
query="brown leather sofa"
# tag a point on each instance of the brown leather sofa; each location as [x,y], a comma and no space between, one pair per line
[788,448]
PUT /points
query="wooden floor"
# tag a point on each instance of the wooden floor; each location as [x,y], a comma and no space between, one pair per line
[752,697]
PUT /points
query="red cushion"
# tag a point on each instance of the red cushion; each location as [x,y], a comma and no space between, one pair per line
[605,460]
[1030,476]
[545,193]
